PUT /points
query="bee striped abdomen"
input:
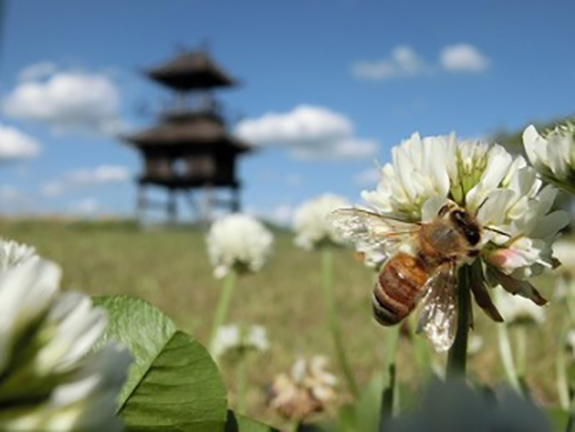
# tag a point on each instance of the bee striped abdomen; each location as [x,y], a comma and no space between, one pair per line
[398,288]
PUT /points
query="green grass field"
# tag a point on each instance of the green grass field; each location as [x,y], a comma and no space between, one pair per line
[170,269]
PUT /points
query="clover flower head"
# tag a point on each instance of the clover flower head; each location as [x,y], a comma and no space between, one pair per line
[570,342]
[236,339]
[53,381]
[310,224]
[564,251]
[553,154]
[502,194]
[474,345]
[13,253]
[307,389]
[238,242]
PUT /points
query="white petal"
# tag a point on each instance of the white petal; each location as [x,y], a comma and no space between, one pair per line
[535,146]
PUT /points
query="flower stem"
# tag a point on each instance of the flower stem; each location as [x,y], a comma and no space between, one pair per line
[389,396]
[223,304]
[521,343]
[507,358]
[457,357]
[561,370]
[241,382]
[420,349]
[333,322]
[294,426]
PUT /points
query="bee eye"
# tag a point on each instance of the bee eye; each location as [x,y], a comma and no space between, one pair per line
[458,215]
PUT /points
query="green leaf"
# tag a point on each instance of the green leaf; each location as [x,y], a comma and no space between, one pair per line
[173,383]
[368,409]
[239,423]
[558,418]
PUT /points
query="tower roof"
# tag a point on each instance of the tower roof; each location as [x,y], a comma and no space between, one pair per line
[187,130]
[190,70]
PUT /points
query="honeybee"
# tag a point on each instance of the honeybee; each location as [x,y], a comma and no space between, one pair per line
[420,265]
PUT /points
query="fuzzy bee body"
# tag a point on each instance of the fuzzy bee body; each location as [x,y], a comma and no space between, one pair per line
[421,264]
[402,281]
[397,289]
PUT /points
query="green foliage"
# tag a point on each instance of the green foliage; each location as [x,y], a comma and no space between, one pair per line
[170,269]
[239,423]
[173,382]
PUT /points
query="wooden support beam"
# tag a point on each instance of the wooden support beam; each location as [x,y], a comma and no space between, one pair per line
[171,207]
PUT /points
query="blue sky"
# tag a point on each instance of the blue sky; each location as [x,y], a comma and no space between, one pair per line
[379,69]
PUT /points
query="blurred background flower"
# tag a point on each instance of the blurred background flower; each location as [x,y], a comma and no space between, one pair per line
[238,242]
[306,390]
[234,340]
[311,226]
[553,154]
[517,310]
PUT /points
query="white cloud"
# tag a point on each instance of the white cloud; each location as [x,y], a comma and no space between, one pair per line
[309,132]
[463,58]
[403,62]
[37,71]
[16,145]
[67,101]
[368,177]
[101,175]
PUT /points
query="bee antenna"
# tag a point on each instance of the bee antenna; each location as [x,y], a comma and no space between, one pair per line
[481,205]
[497,231]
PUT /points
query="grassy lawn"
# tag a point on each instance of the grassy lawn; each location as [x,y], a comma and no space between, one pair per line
[170,269]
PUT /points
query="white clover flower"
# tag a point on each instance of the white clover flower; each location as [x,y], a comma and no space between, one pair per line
[503,194]
[310,224]
[474,345]
[308,389]
[49,379]
[13,253]
[518,310]
[238,242]
[553,155]
[570,342]
[564,251]
[236,339]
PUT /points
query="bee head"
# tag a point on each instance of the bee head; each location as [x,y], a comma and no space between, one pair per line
[466,225]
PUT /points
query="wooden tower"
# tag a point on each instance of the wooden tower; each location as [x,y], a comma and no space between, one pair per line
[189,149]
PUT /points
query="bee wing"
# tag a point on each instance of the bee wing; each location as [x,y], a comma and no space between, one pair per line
[438,315]
[372,230]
